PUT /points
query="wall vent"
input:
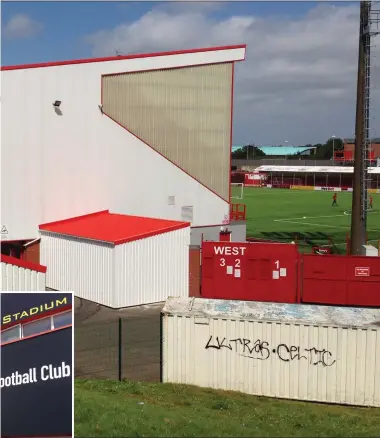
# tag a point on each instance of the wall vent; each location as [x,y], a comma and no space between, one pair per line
[187,213]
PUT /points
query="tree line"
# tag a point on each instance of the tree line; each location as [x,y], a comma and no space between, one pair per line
[323,151]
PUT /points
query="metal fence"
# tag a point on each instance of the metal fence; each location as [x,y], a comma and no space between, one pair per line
[119,349]
[240,163]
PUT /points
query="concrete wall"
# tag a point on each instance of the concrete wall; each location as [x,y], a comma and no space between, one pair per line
[238,233]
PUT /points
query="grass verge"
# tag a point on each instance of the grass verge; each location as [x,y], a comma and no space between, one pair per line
[130,409]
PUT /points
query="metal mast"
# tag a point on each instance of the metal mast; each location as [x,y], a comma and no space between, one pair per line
[369,27]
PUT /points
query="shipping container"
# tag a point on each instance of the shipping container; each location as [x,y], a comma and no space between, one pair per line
[20,275]
[117,260]
[340,280]
[277,272]
[302,352]
[250,271]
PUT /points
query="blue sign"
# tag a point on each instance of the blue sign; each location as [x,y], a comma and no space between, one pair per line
[36,386]
[23,307]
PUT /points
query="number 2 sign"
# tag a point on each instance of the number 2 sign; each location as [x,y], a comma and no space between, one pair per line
[236,263]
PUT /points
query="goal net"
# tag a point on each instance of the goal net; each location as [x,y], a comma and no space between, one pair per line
[237,190]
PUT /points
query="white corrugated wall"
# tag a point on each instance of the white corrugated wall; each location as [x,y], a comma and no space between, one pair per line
[152,269]
[314,363]
[83,266]
[15,278]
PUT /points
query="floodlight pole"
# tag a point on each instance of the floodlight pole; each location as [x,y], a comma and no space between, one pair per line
[358,218]
[333,145]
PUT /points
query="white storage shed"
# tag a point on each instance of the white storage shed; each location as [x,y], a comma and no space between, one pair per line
[117,260]
[303,352]
[20,275]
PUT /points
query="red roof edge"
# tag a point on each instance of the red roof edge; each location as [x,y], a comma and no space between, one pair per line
[118,58]
[23,264]
[64,221]
[177,226]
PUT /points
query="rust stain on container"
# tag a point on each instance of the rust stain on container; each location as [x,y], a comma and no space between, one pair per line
[195,271]
[32,253]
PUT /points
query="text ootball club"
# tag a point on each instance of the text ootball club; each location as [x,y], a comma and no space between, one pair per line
[34,375]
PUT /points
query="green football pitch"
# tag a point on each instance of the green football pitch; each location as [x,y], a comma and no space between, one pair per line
[285,215]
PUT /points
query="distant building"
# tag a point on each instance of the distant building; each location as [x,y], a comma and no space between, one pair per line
[286,151]
[281,151]
[347,154]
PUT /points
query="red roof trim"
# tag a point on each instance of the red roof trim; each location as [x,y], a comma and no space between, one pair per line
[23,264]
[47,225]
[167,226]
[118,58]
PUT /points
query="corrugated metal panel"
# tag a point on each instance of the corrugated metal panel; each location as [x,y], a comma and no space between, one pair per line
[185,114]
[300,352]
[83,266]
[152,269]
[15,278]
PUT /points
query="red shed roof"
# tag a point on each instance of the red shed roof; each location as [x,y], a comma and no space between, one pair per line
[113,228]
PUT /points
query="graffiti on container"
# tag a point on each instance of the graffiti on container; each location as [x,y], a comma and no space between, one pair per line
[260,350]
[254,350]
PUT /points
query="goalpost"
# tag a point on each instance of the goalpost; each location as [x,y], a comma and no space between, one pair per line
[237,190]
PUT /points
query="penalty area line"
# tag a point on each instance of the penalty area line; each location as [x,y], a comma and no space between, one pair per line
[345,213]
[322,225]
[308,217]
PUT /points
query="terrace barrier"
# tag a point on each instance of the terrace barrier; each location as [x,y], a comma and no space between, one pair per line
[238,212]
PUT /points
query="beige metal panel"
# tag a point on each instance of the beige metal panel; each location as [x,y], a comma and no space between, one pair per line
[271,358]
[82,266]
[152,269]
[15,278]
[184,114]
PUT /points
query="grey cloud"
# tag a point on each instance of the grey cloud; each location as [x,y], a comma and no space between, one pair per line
[298,82]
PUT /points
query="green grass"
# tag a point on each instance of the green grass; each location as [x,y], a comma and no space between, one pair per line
[108,408]
[280,214]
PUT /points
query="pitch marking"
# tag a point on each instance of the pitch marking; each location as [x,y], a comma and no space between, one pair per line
[307,217]
[317,217]
[323,225]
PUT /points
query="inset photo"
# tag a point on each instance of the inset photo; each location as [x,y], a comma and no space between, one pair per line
[37,372]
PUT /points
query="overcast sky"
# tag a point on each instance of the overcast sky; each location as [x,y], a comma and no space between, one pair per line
[298,83]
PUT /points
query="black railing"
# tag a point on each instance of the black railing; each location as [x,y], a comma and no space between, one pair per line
[125,348]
